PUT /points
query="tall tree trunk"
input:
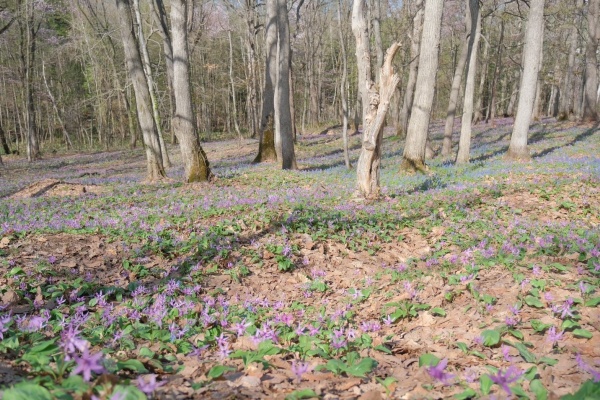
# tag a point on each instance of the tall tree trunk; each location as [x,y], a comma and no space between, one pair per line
[455,90]
[343,88]
[3,141]
[150,78]
[156,170]
[590,107]
[376,100]
[28,50]
[376,22]
[56,111]
[159,15]
[416,138]
[415,45]
[464,145]
[479,105]
[266,147]
[284,136]
[497,73]
[184,123]
[566,98]
[232,83]
[532,53]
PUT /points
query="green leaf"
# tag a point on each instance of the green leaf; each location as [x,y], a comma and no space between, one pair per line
[541,393]
[10,343]
[15,271]
[428,360]
[539,326]
[590,390]
[518,390]
[467,394]
[218,370]
[27,391]
[132,365]
[74,384]
[361,369]
[383,349]
[593,302]
[516,334]
[438,311]
[491,337]
[301,394]
[526,354]
[462,346]
[569,324]
[531,373]
[582,333]
[128,393]
[549,361]
[478,354]
[485,384]
[146,352]
[533,302]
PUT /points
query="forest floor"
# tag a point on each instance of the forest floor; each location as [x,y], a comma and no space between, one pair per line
[474,281]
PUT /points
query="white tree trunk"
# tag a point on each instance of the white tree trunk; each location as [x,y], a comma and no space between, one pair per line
[154,164]
[455,90]
[532,52]
[284,135]
[343,88]
[590,108]
[464,145]
[184,124]
[415,45]
[416,137]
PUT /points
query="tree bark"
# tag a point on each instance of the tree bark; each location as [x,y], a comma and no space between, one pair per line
[416,138]
[376,22]
[156,170]
[266,147]
[464,145]
[590,106]
[56,111]
[497,73]
[197,168]
[415,45]
[479,105]
[376,101]
[566,97]
[343,86]
[284,136]
[532,53]
[455,90]
[28,50]
[143,45]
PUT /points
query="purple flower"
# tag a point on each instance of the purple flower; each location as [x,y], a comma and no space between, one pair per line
[506,353]
[511,375]
[388,320]
[587,368]
[86,364]
[149,385]
[438,372]
[300,368]
[553,336]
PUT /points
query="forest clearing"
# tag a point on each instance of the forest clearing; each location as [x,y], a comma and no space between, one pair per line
[275,284]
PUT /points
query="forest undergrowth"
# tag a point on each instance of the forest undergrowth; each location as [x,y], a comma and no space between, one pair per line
[474,281]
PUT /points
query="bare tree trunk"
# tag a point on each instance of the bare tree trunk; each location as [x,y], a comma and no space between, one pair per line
[416,138]
[156,170]
[590,107]
[455,90]
[3,141]
[266,148]
[56,111]
[376,22]
[184,123]
[497,73]
[343,85]
[375,102]
[284,137]
[232,82]
[464,145]
[28,50]
[566,98]
[532,53]
[479,105]
[510,109]
[149,77]
[160,18]
[415,45]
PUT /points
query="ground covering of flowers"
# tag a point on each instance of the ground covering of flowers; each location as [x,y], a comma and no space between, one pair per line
[476,281]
